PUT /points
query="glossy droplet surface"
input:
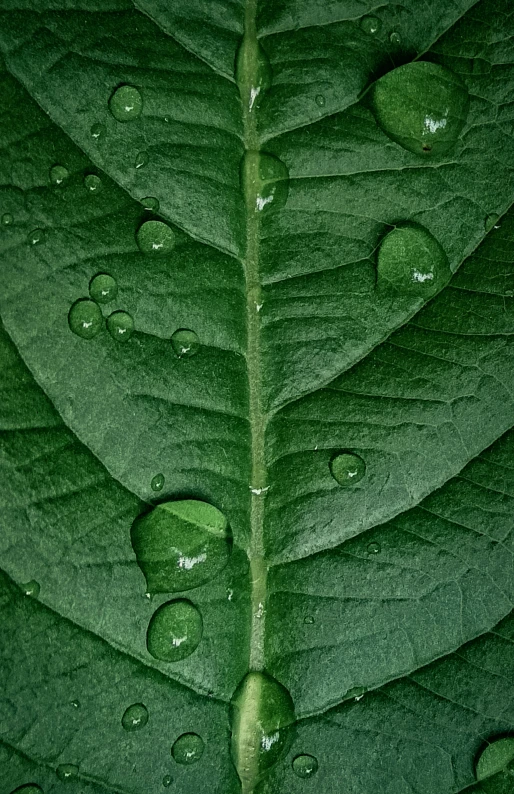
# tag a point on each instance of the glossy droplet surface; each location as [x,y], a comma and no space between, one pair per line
[395,38]
[347,468]
[37,236]
[373,548]
[180,545]
[308,620]
[142,159]
[305,765]
[370,25]
[491,221]
[135,717]
[93,183]
[259,740]
[411,261]
[167,780]
[185,343]
[103,288]
[188,748]
[175,631]
[150,203]
[155,237]
[7,219]
[75,704]
[28,788]
[67,771]
[58,174]
[97,130]
[85,318]
[126,104]
[31,588]
[495,757]
[120,326]
[320,100]
[264,181]
[253,72]
[157,483]
[422,106]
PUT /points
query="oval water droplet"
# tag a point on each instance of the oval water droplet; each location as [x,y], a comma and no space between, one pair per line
[155,237]
[85,318]
[305,765]
[347,468]
[167,780]
[126,103]
[495,757]
[371,25]
[58,174]
[491,221]
[97,130]
[396,39]
[320,100]
[141,160]
[37,236]
[374,548]
[28,788]
[257,745]
[411,261]
[188,748]
[31,588]
[185,343]
[150,203]
[308,620]
[120,326]
[174,631]
[264,181]
[135,717]
[103,288]
[7,219]
[67,771]
[253,72]
[422,106]
[180,545]
[157,483]
[93,183]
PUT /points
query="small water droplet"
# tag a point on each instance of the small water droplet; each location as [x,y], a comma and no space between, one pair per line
[371,25]
[120,326]
[126,103]
[155,237]
[174,631]
[142,159]
[167,780]
[93,183]
[67,771]
[309,620]
[264,181]
[411,261]
[495,757]
[75,704]
[305,765]
[356,693]
[58,174]
[188,748]
[320,100]
[150,203]
[347,468]
[185,343]
[103,288]
[395,38]
[157,483]
[253,72]
[97,130]
[135,717]
[7,219]
[374,548]
[28,788]
[85,318]
[31,588]
[491,222]
[36,236]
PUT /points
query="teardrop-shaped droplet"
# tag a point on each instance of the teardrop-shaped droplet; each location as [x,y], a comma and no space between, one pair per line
[373,548]
[97,130]
[28,788]
[370,25]
[491,221]
[150,203]
[253,72]
[305,765]
[185,343]
[135,717]
[103,288]
[157,483]
[93,183]
[411,261]
[120,326]
[142,159]
[261,720]
[85,318]
[264,180]
[7,219]
[347,468]
[155,237]
[175,631]
[422,106]
[180,545]
[67,771]
[396,39]
[37,236]
[188,748]
[495,757]
[31,588]
[126,103]
[58,174]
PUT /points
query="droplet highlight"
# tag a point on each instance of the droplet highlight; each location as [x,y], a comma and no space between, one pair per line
[347,468]
[188,748]
[58,174]
[93,183]
[320,100]
[371,25]
[157,483]
[305,765]
[411,261]
[167,781]
[142,159]
[120,326]
[126,104]
[495,757]
[37,236]
[151,203]
[7,219]
[253,72]
[264,181]
[155,237]
[175,631]
[395,38]
[85,318]
[185,343]
[31,588]
[373,548]
[135,717]
[308,620]
[103,288]
[491,222]
[97,130]
[67,771]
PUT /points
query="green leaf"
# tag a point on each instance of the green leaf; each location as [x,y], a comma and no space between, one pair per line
[259,257]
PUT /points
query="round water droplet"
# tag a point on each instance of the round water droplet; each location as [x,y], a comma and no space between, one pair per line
[85,318]
[120,326]
[422,106]
[253,72]
[320,100]
[167,780]
[491,221]
[58,174]
[374,548]
[395,38]
[175,631]
[36,236]
[188,748]
[495,757]
[103,288]
[28,788]
[185,343]
[370,25]
[411,261]
[157,483]
[97,130]
[7,219]
[155,237]
[75,704]
[126,103]
[135,717]
[142,159]
[309,620]
[150,203]
[347,468]
[93,183]
[264,181]
[305,765]
[180,545]
[67,771]
[31,588]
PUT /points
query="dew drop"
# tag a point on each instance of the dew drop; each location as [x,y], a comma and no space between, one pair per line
[185,343]
[97,130]
[395,38]
[157,483]
[188,748]
[93,183]
[28,788]
[120,326]
[374,548]
[181,545]
[411,261]
[305,765]
[31,588]
[356,693]
[495,757]
[67,771]
[491,221]
[103,288]
[320,100]
[174,631]
[371,25]
[142,159]
[135,717]
[308,620]
[36,236]
[253,72]
[347,468]
[155,237]
[422,106]
[150,203]
[264,181]
[167,780]
[58,174]
[85,318]
[126,103]
[75,704]
[7,219]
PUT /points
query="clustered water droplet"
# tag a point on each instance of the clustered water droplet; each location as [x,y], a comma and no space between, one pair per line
[67,771]
[411,261]
[150,203]
[31,588]
[253,72]
[155,237]
[175,631]
[120,326]
[371,25]
[305,765]
[374,548]
[85,318]
[93,183]
[126,104]
[264,181]
[36,236]
[188,748]
[103,288]
[135,717]
[58,174]
[347,468]
[97,130]
[185,343]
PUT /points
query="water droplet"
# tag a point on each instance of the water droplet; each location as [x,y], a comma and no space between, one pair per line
[253,72]
[93,183]
[31,588]
[28,788]
[58,174]
[411,261]
[126,103]
[347,468]
[103,288]
[355,693]
[135,717]
[180,545]
[320,100]
[75,704]
[264,181]
[495,757]
[422,106]
[157,483]
[155,237]
[150,203]
[85,318]
[167,780]
[371,25]
[97,130]
[395,38]
[175,631]
[142,159]
[256,748]
[305,765]
[36,236]
[7,219]
[67,771]
[309,620]
[188,748]
[491,221]
[374,548]
[185,343]
[120,326]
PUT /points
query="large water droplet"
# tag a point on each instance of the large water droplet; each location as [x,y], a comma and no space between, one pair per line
[264,180]
[58,174]
[253,72]
[185,343]
[31,588]
[180,545]
[495,757]
[126,103]
[67,771]
[305,765]
[347,468]
[85,318]
[7,219]
[411,261]
[37,236]
[135,717]
[157,483]
[97,130]
[120,326]
[28,788]
[259,743]
[175,631]
[422,106]
[142,159]
[103,288]
[150,203]
[188,748]
[370,25]
[155,237]
[93,183]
